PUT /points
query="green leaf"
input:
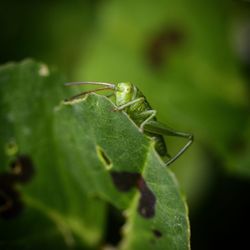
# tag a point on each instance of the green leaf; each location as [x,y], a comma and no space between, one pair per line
[56,210]
[92,126]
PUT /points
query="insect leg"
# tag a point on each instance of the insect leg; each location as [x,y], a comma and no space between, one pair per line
[183,149]
[85,93]
[122,107]
[161,129]
[151,113]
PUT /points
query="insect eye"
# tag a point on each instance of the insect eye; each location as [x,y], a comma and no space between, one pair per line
[128,89]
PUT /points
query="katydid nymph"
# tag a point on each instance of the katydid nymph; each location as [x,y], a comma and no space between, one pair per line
[130,99]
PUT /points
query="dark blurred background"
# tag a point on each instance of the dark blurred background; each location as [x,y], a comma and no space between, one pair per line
[191,59]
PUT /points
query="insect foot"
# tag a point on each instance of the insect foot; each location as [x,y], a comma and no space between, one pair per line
[141,129]
[115,110]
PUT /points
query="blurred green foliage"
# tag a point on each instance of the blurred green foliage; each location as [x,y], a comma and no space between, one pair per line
[190,59]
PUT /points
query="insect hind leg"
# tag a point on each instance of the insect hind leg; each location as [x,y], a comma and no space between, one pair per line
[161,129]
[183,149]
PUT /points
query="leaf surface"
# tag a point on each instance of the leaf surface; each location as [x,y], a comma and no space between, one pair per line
[56,211]
[155,210]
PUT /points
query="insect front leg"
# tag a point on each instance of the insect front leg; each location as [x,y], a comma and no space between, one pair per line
[161,129]
[122,107]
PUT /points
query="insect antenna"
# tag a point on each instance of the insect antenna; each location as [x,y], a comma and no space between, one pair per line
[87,92]
[110,85]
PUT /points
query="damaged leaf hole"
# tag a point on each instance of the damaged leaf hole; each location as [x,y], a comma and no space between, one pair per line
[104,158]
[124,181]
[157,233]
[21,171]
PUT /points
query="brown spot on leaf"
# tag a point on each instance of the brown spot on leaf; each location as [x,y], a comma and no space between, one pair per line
[157,233]
[147,200]
[7,179]
[10,203]
[22,167]
[22,171]
[124,181]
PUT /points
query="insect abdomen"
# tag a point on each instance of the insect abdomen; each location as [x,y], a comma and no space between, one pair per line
[160,145]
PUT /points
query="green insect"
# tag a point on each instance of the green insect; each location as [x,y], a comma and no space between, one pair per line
[130,99]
